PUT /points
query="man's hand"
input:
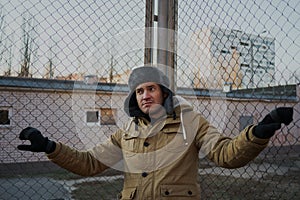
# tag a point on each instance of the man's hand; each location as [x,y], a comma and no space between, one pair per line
[272,122]
[39,143]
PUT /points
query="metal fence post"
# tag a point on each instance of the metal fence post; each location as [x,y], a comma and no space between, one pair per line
[148,53]
[166,41]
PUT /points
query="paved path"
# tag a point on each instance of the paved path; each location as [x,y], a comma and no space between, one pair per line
[249,171]
[38,188]
[32,189]
[42,188]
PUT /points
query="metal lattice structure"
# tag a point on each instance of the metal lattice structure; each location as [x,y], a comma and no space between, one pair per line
[64,66]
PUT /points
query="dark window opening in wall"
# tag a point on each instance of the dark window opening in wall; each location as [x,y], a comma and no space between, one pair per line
[107,116]
[4,117]
[245,121]
[92,116]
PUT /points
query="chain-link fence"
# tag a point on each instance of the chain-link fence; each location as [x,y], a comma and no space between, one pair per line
[64,66]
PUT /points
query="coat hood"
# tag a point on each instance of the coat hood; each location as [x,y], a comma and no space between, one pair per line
[142,75]
[181,105]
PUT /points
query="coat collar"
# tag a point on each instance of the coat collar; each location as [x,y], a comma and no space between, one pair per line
[167,125]
[145,129]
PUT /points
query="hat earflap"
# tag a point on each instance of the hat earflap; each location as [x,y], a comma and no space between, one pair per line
[168,102]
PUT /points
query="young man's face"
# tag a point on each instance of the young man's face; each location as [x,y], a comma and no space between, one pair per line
[149,97]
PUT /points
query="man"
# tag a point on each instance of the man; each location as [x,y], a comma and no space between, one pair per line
[158,149]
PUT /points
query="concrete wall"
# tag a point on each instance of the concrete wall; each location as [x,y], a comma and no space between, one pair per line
[60,115]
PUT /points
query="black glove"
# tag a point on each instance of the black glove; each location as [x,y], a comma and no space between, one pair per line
[39,143]
[272,122]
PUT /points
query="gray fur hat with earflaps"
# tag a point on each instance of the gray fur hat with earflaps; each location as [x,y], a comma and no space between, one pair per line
[146,74]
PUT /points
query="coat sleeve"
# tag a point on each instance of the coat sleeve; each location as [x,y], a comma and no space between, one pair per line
[90,162]
[225,151]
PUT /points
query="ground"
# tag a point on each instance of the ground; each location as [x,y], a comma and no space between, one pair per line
[273,175]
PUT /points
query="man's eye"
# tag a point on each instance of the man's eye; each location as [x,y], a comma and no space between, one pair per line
[152,89]
[139,92]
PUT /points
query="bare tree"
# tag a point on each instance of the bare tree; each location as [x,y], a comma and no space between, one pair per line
[6,46]
[27,50]
[50,65]
[8,60]
[50,70]
[1,35]
[9,57]
[111,69]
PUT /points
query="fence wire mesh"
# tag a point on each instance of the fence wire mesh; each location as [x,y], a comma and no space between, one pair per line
[64,67]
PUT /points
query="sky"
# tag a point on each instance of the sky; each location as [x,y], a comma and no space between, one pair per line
[276,19]
[75,33]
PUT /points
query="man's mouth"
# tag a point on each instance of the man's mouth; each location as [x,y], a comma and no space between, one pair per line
[147,104]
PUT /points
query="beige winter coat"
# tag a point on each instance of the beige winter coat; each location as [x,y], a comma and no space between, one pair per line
[160,161]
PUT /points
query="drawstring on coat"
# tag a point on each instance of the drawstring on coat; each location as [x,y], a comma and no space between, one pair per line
[183,129]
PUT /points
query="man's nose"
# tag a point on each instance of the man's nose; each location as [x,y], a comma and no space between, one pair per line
[146,94]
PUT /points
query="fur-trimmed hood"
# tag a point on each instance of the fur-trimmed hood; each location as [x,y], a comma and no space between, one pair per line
[142,75]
